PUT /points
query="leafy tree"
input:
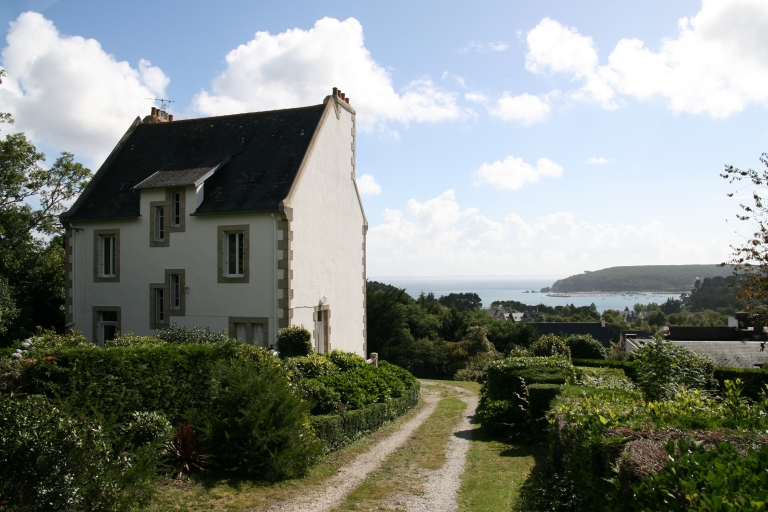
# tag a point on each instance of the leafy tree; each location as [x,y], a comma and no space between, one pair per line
[462,301]
[31,241]
[750,260]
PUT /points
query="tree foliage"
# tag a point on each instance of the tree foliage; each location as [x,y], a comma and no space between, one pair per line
[31,241]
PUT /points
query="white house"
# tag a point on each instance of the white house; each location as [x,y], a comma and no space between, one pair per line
[249,223]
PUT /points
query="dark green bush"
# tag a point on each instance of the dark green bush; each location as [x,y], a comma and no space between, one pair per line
[255,425]
[663,367]
[324,399]
[346,360]
[503,416]
[169,378]
[180,334]
[310,367]
[584,346]
[550,345]
[294,341]
[147,427]
[503,377]
[540,397]
[754,380]
[368,385]
[698,479]
[342,429]
[52,461]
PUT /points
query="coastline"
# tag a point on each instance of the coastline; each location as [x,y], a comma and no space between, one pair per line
[613,294]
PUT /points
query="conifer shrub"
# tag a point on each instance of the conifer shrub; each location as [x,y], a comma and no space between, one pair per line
[255,425]
[294,341]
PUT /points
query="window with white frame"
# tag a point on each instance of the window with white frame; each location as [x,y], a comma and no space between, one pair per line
[106,255]
[106,327]
[234,254]
[159,223]
[175,209]
[176,291]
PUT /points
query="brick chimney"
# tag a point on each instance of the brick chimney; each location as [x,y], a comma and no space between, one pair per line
[158,116]
[340,95]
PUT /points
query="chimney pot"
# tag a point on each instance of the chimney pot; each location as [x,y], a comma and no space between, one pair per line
[347,100]
[342,95]
[335,91]
[170,118]
[154,111]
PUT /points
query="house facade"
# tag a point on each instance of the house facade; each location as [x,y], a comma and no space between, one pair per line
[246,223]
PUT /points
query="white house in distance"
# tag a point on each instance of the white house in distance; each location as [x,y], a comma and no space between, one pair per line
[249,223]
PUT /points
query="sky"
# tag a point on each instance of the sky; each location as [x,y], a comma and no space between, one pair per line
[494,138]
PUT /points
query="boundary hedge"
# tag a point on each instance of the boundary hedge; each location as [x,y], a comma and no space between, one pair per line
[754,379]
[338,430]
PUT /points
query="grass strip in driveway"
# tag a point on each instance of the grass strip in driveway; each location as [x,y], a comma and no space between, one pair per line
[403,473]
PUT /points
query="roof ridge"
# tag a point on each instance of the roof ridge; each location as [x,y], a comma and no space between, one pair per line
[176,121]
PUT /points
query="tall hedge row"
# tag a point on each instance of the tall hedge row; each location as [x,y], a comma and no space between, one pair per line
[169,378]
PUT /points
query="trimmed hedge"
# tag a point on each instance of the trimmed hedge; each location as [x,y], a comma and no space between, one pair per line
[629,367]
[338,430]
[169,378]
[754,380]
[503,378]
[540,397]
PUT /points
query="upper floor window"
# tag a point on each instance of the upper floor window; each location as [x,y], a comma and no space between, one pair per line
[175,209]
[106,255]
[159,223]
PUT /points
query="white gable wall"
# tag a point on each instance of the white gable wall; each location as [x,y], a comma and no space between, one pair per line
[328,239]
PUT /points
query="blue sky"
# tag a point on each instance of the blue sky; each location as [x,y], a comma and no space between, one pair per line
[503,138]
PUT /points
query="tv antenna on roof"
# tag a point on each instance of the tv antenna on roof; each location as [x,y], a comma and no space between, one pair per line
[164,104]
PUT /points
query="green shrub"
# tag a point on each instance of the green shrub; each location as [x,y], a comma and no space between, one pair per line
[663,367]
[503,377]
[169,378]
[324,399]
[474,371]
[346,360]
[131,340]
[584,346]
[294,341]
[338,430]
[754,380]
[148,427]
[502,416]
[629,367]
[179,335]
[368,385]
[698,479]
[310,367]
[540,397]
[52,461]
[255,425]
[550,345]
[51,340]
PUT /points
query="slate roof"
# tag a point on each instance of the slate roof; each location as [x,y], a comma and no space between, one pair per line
[264,152]
[594,329]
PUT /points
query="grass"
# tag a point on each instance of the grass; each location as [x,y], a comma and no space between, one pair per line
[402,472]
[214,492]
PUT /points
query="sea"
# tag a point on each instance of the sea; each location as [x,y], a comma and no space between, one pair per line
[523,289]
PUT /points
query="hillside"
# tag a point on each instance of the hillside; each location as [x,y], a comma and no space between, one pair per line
[669,278]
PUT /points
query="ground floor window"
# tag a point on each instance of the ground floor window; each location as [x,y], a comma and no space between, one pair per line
[106,324]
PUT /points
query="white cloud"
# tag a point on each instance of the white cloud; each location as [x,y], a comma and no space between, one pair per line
[300,67]
[437,237]
[477,97]
[485,47]
[717,64]
[367,186]
[598,160]
[525,108]
[68,92]
[513,173]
